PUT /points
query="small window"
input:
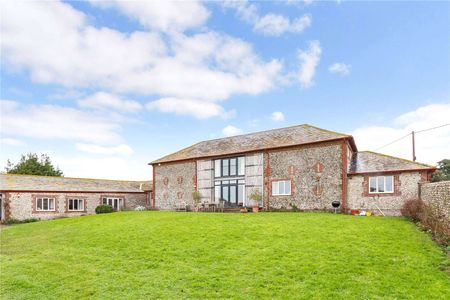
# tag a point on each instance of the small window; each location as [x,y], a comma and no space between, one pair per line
[281,188]
[381,184]
[45,204]
[75,204]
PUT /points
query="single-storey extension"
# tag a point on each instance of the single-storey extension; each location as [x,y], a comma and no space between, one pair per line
[46,197]
[302,167]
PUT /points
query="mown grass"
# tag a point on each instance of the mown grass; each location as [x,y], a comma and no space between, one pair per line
[145,255]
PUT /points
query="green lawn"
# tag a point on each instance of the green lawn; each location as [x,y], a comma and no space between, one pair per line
[145,255]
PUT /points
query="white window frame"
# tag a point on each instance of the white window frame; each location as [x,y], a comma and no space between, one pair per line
[377,178]
[110,201]
[42,199]
[79,201]
[276,187]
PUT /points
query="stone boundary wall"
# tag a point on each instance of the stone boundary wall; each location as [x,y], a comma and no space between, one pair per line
[437,195]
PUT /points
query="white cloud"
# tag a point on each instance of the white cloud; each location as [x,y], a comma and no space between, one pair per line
[70,94]
[11,142]
[231,131]
[101,100]
[197,108]
[431,146]
[56,122]
[309,59]
[167,16]
[121,149]
[68,51]
[339,68]
[269,24]
[276,25]
[277,116]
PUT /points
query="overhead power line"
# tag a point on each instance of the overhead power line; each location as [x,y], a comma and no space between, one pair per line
[432,128]
[394,141]
[418,131]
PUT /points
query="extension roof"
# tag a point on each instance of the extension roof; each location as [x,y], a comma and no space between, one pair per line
[270,139]
[372,162]
[13,182]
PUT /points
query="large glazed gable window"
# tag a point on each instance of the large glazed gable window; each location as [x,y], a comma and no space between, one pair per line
[281,188]
[45,204]
[229,167]
[381,184]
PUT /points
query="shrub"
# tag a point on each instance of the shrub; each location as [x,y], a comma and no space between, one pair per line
[413,209]
[196,196]
[11,221]
[256,197]
[429,219]
[104,209]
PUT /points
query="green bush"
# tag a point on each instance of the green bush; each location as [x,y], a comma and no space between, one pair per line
[104,209]
[15,221]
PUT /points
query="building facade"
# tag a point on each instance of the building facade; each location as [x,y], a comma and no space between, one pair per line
[302,167]
[46,197]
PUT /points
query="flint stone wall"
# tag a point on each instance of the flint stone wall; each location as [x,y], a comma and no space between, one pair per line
[174,185]
[408,186]
[437,195]
[21,205]
[312,187]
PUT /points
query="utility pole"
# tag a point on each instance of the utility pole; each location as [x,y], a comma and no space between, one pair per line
[413,146]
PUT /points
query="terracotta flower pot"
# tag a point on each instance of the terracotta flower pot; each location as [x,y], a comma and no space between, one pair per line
[354,212]
[255,208]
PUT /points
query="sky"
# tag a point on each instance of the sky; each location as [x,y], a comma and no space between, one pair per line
[105,87]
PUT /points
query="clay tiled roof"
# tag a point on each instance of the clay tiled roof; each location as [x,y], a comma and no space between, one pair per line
[13,182]
[368,162]
[276,138]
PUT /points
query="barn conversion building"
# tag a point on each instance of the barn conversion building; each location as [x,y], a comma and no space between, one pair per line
[46,197]
[302,166]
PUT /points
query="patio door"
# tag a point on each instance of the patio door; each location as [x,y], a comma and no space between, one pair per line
[231,192]
[116,203]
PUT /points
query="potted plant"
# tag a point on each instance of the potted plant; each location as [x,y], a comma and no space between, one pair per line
[256,197]
[196,196]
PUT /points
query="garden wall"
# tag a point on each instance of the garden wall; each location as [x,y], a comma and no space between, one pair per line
[437,195]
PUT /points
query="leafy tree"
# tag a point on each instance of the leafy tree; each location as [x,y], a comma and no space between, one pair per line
[31,164]
[443,171]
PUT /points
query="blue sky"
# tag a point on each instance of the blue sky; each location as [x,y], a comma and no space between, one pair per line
[106,87]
